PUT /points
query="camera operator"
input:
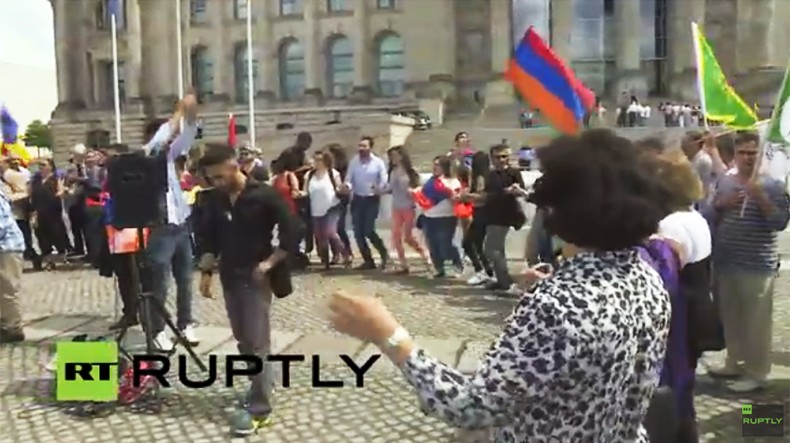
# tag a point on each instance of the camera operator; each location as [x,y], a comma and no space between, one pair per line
[238,221]
[170,246]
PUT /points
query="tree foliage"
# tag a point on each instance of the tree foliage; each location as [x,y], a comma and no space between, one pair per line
[38,134]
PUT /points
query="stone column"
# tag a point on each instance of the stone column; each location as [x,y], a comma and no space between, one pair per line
[498,91]
[777,41]
[362,91]
[134,45]
[562,27]
[628,60]
[312,53]
[60,15]
[221,56]
[158,71]
[80,74]
[268,62]
[680,51]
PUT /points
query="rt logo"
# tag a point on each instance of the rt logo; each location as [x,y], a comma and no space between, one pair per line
[87,371]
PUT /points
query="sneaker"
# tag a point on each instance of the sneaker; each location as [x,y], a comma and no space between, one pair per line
[163,342]
[439,275]
[124,323]
[494,285]
[365,267]
[242,423]
[726,371]
[744,386]
[478,279]
[190,336]
[8,336]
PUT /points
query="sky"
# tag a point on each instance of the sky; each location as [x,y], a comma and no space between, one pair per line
[28,82]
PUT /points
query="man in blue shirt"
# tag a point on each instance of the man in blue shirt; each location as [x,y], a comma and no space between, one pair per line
[169,246]
[366,179]
[12,245]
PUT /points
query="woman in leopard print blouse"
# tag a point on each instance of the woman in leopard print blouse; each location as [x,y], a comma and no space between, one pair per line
[580,356]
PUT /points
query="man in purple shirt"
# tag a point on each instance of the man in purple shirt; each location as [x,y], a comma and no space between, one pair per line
[366,179]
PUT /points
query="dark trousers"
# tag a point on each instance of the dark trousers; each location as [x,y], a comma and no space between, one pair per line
[129,287]
[93,230]
[439,234]
[364,212]
[342,229]
[51,234]
[76,214]
[474,238]
[303,206]
[248,303]
[27,235]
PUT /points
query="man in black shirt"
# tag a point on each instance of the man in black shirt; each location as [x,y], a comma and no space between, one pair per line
[503,186]
[237,227]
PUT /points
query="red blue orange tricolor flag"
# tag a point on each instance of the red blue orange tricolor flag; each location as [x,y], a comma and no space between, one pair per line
[548,85]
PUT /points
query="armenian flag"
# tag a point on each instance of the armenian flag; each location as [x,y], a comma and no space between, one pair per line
[548,85]
[433,192]
[11,144]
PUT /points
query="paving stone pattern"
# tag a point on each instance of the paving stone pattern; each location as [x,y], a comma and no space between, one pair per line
[453,322]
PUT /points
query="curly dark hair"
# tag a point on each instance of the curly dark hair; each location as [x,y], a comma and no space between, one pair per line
[598,192]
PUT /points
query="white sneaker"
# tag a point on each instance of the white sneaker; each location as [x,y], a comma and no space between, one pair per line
[163,342]
[190,335]
[746,385]
[478,279]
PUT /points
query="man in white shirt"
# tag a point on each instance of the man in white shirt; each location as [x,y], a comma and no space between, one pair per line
[170,245]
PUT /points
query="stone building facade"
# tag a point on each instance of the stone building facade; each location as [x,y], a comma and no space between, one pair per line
[362,56]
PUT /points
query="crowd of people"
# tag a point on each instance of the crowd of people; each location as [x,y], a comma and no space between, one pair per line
[629,241]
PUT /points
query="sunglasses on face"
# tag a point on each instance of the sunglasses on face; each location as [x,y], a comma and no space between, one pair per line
[501,156]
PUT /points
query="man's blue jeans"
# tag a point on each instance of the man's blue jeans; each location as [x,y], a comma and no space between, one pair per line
[170,251]
[364,212]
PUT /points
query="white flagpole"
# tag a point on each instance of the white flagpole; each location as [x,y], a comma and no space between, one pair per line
[180,46]
[116,78]
[250,79]
[696,33]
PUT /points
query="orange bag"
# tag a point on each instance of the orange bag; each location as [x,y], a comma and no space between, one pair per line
[125,241]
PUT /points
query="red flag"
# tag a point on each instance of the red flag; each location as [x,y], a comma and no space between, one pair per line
[232,131]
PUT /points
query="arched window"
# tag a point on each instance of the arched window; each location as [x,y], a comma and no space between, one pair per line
[340,66]
[240,76]
[390,75]
[291,60]
[202,73]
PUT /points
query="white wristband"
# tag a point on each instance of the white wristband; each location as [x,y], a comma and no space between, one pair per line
[399,336]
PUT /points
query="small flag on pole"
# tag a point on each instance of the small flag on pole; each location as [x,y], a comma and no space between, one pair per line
[232,131]
[718,99]
[779,125]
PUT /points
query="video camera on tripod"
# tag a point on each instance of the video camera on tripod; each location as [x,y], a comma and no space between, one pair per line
[137,184]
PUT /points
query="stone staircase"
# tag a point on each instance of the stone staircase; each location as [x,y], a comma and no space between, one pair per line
[273,126]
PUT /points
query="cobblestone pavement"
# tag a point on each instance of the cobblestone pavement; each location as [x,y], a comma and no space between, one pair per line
[450,320]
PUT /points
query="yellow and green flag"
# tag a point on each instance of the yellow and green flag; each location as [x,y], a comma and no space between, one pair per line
[719,100]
